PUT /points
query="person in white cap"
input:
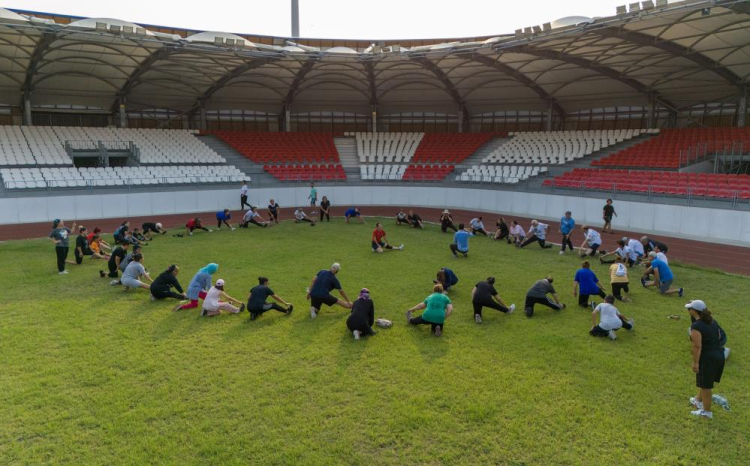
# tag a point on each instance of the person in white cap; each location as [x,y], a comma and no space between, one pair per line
[319,292]
[212,304]
[446,221]
[708,356]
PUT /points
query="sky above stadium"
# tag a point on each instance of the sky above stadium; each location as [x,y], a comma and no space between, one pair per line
[340,19]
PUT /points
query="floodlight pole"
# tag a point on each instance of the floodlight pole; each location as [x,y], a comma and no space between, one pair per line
[295,18]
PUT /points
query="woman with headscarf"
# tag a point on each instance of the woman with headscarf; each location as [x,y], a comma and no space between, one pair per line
[60,235]
[161,288]
[199,286]
[362,318]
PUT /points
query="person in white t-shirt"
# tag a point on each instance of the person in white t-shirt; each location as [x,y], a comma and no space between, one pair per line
[517,233]
[636,247]
[610,320]
[212,304]
[591,243]
[243,196]
[300,216]
[477,226]
[537,232]
[623,251]
[252,216]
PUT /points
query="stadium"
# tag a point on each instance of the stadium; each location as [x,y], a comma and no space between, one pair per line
[635,125]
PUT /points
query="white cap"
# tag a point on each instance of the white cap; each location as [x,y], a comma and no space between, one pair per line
[446,211]
[220,282]
[652,254]
[534,222]
[696,305]
[336,266]
[158,226]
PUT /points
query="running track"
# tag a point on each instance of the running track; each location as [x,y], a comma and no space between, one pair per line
[732,259]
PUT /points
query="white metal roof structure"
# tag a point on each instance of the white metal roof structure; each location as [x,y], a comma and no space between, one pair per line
[675,55]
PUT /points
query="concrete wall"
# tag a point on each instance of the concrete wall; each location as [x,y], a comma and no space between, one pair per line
[725,226]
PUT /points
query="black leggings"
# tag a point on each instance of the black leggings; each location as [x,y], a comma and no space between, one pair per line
[567,242]
[270,306]
[327,215]
[455,250]
[502,235]
[481,230]
[618,288]
[166,292]
[600,332]
[243,202]
[219,222]
[491,304]
[542,243]
[62,254]
[354,323]
[445,225]
[531,301]
[253,221]
[583,299]
[420,321]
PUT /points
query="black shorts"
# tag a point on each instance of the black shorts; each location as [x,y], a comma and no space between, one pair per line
[328,300]
[710,368]
[618,288]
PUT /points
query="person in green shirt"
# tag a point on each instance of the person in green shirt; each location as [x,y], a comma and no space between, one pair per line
[437,308]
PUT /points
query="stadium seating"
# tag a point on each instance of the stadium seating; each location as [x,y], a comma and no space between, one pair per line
[282,148]
[30,146]
[306,172]
[665,150]
[556,147]
[382,172]
[68,177]
[426,172]
[508,174]
[387,147]
[658,182]
[450,148]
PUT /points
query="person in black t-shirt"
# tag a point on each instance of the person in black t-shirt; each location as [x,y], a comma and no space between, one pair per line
[82,246]
[273,211]
[362,318]
[415,220]
[502,230]
[152,227]
[708,356]
[607,212]
[161,288]
[256,301]
[325,209]
[117,256]
[484,294]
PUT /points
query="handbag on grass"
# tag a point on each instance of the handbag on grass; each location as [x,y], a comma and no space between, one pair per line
[383,323]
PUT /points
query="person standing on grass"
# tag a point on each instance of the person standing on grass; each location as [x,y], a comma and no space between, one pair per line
[567,226]
[319,292]
[415,220]
[243,196]
[592,241]
[477,226]
[461,241]
[256,300]
[212,304]
[446,221]
[301,217]
[483,295]
[516,233]
[623,251]
[610,319]
[115,259]
[607,212]
[438,308]
[538,233]
[60,235]
[401,217]
[663,278]
[325,209]
[379,242]
[313,195]
[133,272]
[161,288]
[362,318]
[251,216]
[708,356]
[152,227]
[273,211]
[502,231]
[353,212]
[195,224]
[618,277]
[199,285]
[585,285]
[537,294]
[223,216]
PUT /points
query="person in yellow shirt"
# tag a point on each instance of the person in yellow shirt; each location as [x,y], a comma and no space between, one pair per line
[618,274]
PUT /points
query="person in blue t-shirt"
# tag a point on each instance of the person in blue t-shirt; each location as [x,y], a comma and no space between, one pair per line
[353,212]
[585,284]
[461,241]
[663,278]
[446,277]
[320,289]
[221,217]
[567,226]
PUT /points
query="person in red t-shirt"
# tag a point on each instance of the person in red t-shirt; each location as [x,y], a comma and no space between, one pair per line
[379,242]
[195,224]
[98,231]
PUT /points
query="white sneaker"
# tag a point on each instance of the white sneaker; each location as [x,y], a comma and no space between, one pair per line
[477,318]
[562,253]
[726,353]
[210,231]
[401,248]
[313,312]
[702,413]
[190,234]
[408,317]
[356,334]
[153,298]
[612,335]
[64,272]
[694,401]
[511,308]
[233,229]
[114,283]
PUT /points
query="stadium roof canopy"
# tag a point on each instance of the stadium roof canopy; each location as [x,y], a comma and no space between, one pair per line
[676,55]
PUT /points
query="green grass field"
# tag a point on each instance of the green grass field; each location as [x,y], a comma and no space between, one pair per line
[91,374]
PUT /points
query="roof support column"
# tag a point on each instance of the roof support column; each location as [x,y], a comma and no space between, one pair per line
[461,119]
[204,118]
[123,114]
[27,109]
[374,119]
[287,119]
[742,107]
[550,115]
[651,112]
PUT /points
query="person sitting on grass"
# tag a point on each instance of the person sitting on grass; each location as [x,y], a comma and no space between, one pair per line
[618,277]
[252,216]
[199,285]
[537,294]
[461,241]
[133,272]
[195,224]
[414,220]
[379,242]
[362,318]
[152,227]
[139,236]
[223,216]
[538,233]
[256,300]
[517,235]
[273,211]
[104,244]
[353,212]
[319,292]
[301,217]
[592,241]
[446,221]
[610,319]
[161,288]
[483,295]
[437,308]
[477,226]
[212,304]
[96,249]
[401,218]
[663,278]
[502,232]
[623,251]
[119,234]
[585,285]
